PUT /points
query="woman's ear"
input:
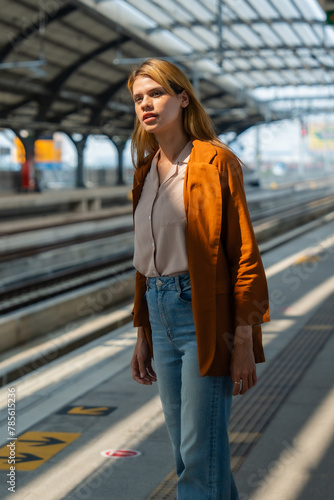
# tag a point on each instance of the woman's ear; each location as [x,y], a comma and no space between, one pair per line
[184,99]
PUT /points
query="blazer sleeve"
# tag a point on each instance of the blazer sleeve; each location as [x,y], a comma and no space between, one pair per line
[248,278]
[140,309]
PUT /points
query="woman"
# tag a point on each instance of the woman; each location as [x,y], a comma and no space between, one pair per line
[201,291]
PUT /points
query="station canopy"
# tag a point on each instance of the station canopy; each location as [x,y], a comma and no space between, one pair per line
[64,64]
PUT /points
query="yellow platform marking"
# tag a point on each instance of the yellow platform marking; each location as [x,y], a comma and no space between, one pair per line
[244,437]
[307,258]
[33,448]
[236,463]
[82,410]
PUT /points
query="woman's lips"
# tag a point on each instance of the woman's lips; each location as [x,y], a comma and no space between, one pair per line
[149,116]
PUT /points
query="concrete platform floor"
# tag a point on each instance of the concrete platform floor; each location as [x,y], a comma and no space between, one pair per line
[89,403]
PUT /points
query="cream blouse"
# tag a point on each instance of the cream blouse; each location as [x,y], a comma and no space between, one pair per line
[160,221]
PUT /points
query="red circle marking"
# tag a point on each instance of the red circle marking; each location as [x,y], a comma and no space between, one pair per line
[121,453]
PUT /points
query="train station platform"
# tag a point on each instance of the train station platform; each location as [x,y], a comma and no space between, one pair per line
[85,430]
[77,201]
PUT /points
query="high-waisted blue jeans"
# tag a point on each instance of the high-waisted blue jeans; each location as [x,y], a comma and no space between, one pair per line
[197,409]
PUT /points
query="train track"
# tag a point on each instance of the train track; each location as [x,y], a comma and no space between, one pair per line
[37,289]
[46,287]
[32,250]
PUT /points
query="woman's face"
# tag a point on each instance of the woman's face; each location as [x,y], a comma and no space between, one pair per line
[157,111]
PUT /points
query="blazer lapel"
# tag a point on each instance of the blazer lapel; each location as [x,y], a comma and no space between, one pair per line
[203,204]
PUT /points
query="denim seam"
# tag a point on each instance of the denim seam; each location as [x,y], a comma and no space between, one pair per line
[163,315]
[183,301]
[212,480]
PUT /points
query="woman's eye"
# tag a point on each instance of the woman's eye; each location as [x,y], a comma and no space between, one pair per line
[157,93]
[137,99]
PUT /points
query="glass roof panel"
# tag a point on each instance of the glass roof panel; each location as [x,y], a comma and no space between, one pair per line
[307,34]
[260,78]
[262,39]
[311,9]
[248,35]
[291,92]
[320,75]
[241,63]
[267,34]
[231,39]
[229,81]
[208,67]
[257,62]
[122,9]
[276,62]
[228,65]
[149,9]
[227,12]
[286,33]
[209,35]
[191,38]
[246,79]
[174,8]
[276,77]
[264,8]
[303,52]
[329,36]
[327,60]
[242,9]
[328,77]
[307,76]
[320,32]
[291,77]
[211,5]
[170,42]
[310,61]
[287,10]
[200,9]
[268,53]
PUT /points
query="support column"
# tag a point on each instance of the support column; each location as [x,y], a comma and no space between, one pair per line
[195,81]
[80,144]
[257,150]
[29,181]
[301,166]
[120,143]
[327,148]
[220,33]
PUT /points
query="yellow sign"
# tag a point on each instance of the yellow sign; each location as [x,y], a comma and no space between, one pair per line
[321,136]
[46,151]
[33,448]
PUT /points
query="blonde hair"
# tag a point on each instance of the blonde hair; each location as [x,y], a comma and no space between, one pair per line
[196,122]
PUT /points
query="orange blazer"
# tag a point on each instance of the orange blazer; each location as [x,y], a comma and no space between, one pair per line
[228,282]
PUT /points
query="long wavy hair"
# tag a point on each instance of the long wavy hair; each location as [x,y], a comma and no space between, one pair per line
[196,122]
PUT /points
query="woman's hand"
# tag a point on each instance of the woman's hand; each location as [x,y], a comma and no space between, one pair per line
[243,370]
[142,371]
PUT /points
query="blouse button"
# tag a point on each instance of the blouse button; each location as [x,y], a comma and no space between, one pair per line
[149,217]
